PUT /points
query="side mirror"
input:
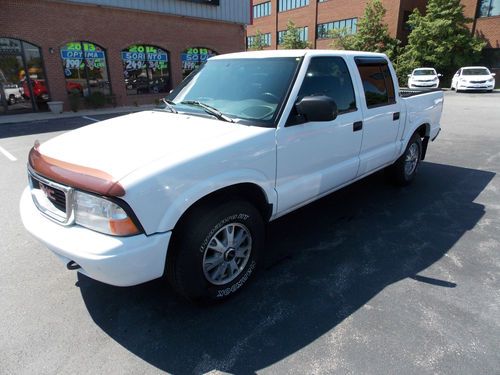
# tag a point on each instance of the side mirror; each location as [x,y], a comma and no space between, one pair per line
[440,75]
[493,74]
[409,75]
[317,108]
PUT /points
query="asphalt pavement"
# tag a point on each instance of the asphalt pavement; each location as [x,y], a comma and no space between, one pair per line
[372,279]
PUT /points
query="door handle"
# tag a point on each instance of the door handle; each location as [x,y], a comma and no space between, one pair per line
[395,116]
[358,125]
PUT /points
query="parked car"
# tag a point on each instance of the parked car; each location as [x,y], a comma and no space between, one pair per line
[473,78]
[13,93]
[185,190]
[39,90]
[423,78]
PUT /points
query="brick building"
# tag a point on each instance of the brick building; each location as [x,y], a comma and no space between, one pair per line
[131,52]
[315,18]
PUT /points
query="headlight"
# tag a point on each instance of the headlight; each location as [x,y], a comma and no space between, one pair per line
[102,215]
[491,80]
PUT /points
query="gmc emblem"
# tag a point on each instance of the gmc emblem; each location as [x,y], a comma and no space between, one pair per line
[48,192]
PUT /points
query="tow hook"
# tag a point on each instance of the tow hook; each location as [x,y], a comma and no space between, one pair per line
[72,265]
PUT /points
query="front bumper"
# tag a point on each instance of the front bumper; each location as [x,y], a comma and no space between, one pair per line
[423,85]
[120,261]
[471,86]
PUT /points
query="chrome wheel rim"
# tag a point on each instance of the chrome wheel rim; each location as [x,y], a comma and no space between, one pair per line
[227,253]
[411,159]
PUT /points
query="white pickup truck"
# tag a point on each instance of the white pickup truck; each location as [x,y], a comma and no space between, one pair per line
[185,190]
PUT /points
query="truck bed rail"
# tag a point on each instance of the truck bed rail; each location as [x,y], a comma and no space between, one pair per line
[406,93]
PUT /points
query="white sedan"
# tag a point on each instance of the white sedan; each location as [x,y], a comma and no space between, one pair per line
[423,78]
[473,78]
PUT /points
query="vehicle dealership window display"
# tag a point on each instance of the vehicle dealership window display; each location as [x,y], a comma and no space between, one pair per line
[146,69]
[85,68]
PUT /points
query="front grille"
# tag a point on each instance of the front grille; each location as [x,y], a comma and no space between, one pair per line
[51,198]
[477,81]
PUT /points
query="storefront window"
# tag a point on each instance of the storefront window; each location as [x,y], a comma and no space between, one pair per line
[85,68]
[146,70]
[21,92]
[194,57]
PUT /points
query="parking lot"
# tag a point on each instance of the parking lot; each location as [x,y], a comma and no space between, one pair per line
[372,279]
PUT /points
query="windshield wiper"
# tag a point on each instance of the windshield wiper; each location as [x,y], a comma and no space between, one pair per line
[209,109]
[169,104]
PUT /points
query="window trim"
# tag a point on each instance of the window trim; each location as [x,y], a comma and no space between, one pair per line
[379,62]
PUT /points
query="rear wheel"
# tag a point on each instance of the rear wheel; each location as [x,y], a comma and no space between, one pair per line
[403,171]
[215,251]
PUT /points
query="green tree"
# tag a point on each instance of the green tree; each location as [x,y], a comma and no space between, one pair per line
[372,33]
[291,39]
[258,42]
[439,39]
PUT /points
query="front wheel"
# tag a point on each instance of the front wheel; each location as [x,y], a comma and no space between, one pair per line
[403,171]
[215,251]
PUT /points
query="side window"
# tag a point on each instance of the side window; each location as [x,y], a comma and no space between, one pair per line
[377,82]
[329,76]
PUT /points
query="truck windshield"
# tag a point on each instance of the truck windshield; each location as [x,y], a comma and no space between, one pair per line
[242,89]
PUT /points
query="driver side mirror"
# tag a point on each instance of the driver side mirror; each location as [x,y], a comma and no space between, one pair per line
[493,74]
[440,75]
[409,75]
[317,108]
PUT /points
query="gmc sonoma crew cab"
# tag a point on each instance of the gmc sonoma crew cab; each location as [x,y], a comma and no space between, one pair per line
[185,190]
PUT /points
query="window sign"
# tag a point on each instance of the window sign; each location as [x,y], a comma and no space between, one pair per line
[146,69]
[194,57]
[85,68]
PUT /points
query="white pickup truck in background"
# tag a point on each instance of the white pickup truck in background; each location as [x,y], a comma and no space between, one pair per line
[185,190]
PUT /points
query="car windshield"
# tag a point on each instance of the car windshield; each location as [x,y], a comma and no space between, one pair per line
[424,72]
[475,72]
[242,89]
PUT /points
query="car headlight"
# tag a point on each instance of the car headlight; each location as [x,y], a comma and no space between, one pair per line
[463,80]
[491,80]
[102,215]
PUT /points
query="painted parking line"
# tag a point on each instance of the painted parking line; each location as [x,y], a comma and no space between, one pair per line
[90,118]
[7,154]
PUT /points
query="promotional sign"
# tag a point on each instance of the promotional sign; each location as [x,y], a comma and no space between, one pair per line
[75,58]
[193,57]
[141,57]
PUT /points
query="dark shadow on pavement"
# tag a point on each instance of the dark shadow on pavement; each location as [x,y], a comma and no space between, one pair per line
[323,263]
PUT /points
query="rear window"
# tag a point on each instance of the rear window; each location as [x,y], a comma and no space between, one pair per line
[377,82]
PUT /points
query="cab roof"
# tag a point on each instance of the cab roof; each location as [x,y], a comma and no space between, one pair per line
[295,53]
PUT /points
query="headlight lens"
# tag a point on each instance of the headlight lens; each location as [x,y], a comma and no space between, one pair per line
[102,215]
[491,80]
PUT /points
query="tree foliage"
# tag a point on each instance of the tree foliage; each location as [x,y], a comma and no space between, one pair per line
[258,42]
[372,33]
[291,39]
[439,39]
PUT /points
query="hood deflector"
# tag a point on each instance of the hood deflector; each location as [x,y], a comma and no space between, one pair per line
[84,178]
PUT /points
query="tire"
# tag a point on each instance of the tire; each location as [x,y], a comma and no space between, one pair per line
[194,252]
[402,173]
[12,100]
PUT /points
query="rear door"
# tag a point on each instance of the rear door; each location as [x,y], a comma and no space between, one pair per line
[315,157]
[381,113]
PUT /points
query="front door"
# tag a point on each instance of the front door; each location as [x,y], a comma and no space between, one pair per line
[316,157]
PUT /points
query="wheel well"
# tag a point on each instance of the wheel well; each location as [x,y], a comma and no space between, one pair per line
[246,191]
[424,132]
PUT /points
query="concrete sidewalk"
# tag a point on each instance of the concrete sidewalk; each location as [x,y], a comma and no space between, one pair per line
[38,116]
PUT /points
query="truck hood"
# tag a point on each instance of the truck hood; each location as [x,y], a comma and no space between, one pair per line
[123,144]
